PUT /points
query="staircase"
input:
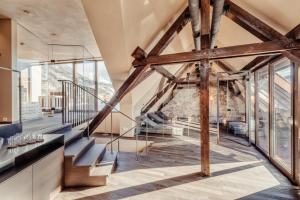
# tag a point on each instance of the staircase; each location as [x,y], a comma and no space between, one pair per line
[86,163]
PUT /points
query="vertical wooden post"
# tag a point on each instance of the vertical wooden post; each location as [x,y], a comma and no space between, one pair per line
[204,89]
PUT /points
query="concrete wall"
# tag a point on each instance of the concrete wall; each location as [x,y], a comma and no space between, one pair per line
[105,126]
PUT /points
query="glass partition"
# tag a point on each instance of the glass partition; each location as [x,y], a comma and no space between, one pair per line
[105,87]
[252,106]
[282,115]
[262,108]
[31,51]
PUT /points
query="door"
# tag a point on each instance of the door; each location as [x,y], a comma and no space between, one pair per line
[262,109]
[282,113]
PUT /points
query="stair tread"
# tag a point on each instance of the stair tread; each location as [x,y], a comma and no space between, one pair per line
[91,156]
[106,165]
[76,147]
[69,135]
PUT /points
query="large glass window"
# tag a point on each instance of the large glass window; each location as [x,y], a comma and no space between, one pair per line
[105,87]
[262,109]
[282,116]
[85,74]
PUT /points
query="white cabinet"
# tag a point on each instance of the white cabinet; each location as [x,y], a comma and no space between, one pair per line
[40,181]
[17,187]
[47,176]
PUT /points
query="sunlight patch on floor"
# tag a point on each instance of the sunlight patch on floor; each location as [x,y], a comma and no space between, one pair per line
[228,186]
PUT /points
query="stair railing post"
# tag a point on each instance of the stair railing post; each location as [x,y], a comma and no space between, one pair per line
[63,102]
[111,133]
[147,139]
[218,111]
[136,145]
[88,114]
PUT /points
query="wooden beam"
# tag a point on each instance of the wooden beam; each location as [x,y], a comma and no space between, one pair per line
[161,93]
[133,78]
[223,66]
[143,77]
[250,22]
[264,48]
[259,29]
[156,97]
[161,70]
[258,63]
[185,82]
[183,69]
[204,88]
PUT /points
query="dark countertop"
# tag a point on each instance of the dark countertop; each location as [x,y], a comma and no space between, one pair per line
[14,160]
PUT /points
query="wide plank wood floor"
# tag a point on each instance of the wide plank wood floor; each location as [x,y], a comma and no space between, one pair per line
[171,171]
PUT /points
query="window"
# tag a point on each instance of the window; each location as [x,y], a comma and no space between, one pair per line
[252,106]
[282,115]
[262,109]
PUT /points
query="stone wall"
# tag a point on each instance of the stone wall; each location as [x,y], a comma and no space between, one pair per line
[185,103]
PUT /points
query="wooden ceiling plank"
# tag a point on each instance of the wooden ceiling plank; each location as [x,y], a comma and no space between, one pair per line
[161,70]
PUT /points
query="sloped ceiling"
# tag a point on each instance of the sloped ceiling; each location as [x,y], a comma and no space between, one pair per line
[120,26]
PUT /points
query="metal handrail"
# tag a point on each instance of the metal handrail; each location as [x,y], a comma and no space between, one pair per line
[120,136]
[117,138]
[81,87]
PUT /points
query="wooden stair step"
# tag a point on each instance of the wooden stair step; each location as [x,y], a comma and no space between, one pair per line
[106,165]
[92,156]
[79,147]
[72,135]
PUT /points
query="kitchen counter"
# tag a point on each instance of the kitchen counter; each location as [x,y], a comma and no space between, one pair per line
[15,160]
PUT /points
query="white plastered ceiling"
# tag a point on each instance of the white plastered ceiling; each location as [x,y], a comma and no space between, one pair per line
[120,26]
[50,22]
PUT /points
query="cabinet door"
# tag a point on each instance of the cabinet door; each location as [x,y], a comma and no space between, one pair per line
[47,175]
[18,186]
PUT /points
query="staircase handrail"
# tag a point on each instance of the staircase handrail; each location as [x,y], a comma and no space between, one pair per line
[114,109]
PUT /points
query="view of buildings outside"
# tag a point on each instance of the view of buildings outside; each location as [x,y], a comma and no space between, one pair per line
[41,89]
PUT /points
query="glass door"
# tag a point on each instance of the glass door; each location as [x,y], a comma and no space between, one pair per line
[282,115]
[252,107]
[262,109]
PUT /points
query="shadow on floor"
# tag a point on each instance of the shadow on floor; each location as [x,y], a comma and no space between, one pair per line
[162,184]
[275,193]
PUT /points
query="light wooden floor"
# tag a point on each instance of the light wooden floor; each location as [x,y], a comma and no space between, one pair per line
[170,171]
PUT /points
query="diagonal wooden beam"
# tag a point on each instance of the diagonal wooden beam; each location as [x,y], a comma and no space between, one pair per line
[161,70]
[259,29]
[265,48]
[157,97]
[133,78]
[264,60]
[223,66]
[143,77]
[161,93]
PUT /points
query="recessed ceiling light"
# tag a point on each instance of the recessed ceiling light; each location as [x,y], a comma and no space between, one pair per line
[53,34]
[22,43]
